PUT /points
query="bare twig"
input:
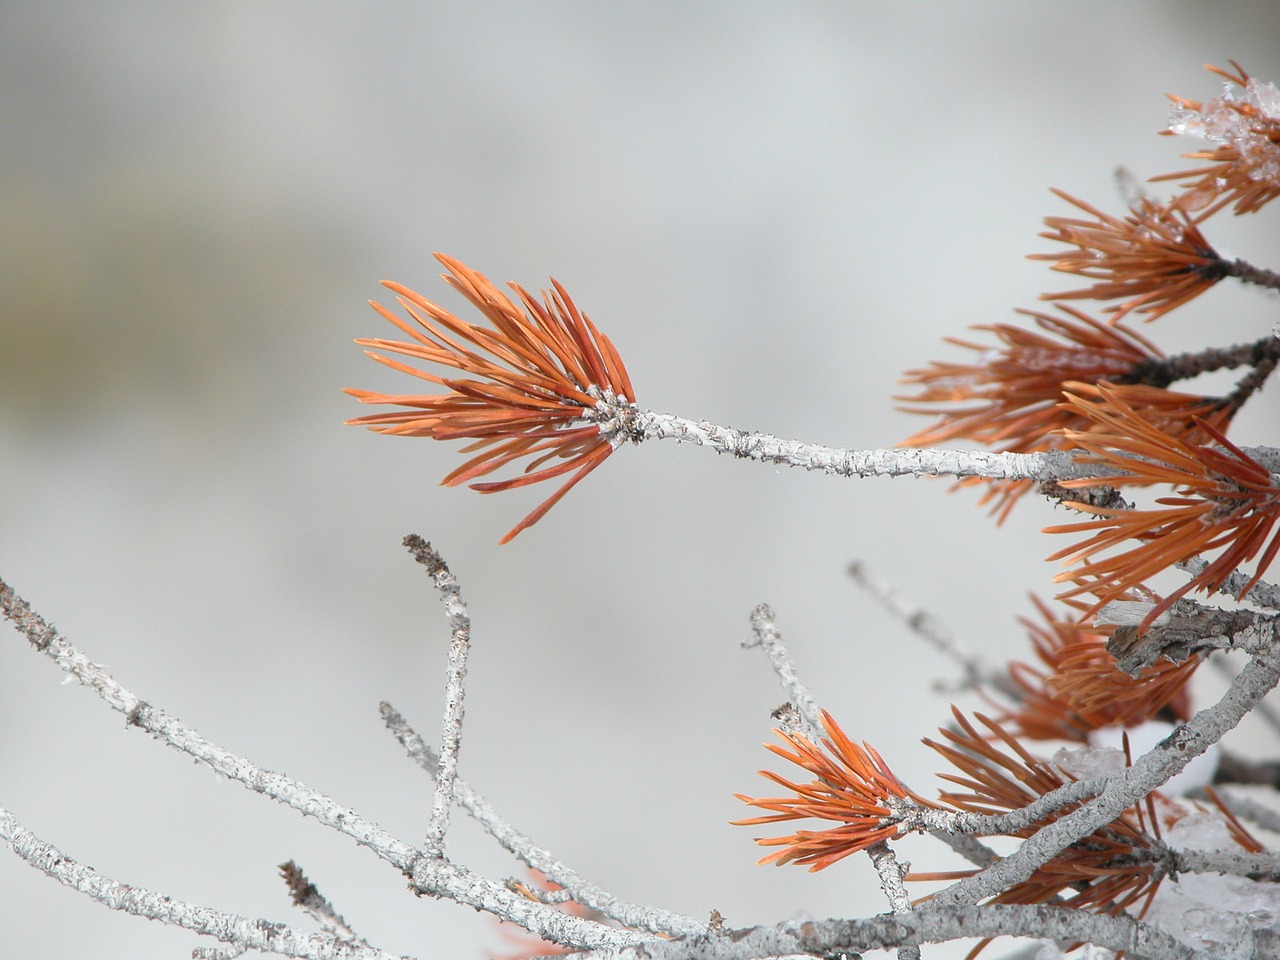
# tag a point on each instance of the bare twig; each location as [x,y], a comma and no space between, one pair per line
[455,687]
[1031,951]
[639,425]
[1264,710]
[304,895]
[891,875]
[933,631]
[1005,824]
[438,877]
[898,462]
[626,913]
[1262,593]
[1260,867]
[430,875]
[245,932]
[764,634]
[927,924]
[218,953]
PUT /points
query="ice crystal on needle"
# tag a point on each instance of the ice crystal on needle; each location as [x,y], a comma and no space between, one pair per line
[1244,126]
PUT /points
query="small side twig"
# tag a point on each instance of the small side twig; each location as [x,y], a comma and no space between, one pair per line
[304,895]
[1248,273]
[1260,867]
[241,932]
[933,631]
[1262,593]
[455,687]
[891,875]
[606,904]
[430,875]
[764,634]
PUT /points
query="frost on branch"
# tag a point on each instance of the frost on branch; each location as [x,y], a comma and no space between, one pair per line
[1243,125]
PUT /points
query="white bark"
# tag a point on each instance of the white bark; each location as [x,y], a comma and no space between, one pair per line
[244,932]
[430,875]
[1150,771]
[928,924]
[897,462]
[578,889]
[454,691]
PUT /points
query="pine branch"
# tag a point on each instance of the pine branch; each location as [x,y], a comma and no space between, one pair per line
[244,932]
[429,875]
[934,632]
[838,938]
[959,839]
[579,890]
[455,687]
[1148,772]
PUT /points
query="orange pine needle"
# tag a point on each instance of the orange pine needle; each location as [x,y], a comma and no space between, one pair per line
[534,387]
[1010,398]
[1227,501]
[1156,258]
[1111,869]
[853,786]
[1077,687]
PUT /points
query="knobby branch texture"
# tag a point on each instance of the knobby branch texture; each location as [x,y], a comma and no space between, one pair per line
[930,924]
[429,873]
[245,932]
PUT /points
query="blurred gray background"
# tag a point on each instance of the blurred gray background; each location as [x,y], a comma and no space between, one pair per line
[773,210]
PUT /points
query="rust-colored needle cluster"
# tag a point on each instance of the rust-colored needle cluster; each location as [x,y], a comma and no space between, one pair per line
[1072,381]
[1154,260]
[851,785]
[1076,687]
[1224,500]
[1078,383]
[1244,163]
[539,385]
